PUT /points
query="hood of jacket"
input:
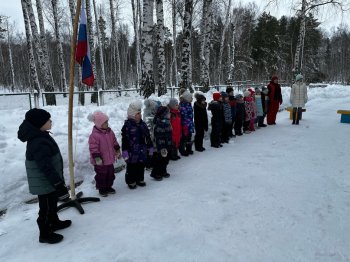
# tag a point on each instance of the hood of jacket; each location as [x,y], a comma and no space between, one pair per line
[27,132]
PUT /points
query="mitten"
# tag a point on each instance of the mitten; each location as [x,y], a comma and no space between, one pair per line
[61,191]
[117,154]
[125,155]
[164,152]
[151,151]
[98,161]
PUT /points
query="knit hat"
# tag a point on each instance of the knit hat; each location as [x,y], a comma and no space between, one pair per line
[216,96]
[299,77]
[239,96]
[257,90]
[134,108]
[37,117]
[273,78]
[98,118]
[173,102]
[229,90]
[199,97]
[223,94]
[187,96]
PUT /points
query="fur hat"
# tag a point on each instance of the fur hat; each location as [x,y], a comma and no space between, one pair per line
[273,78]
[98,118]
[216,96]
[299,77]
[199,97]
[37,117]
[173,102]
[134,108]
[229,90]
[187,96]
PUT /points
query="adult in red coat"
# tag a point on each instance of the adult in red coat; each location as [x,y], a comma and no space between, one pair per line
[275,99]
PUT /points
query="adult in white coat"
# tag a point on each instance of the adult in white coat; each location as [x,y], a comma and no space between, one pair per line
[298,98]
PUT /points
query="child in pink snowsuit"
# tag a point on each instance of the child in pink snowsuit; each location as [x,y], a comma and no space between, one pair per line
[104,149]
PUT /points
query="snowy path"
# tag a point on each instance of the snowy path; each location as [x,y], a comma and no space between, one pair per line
[279,194]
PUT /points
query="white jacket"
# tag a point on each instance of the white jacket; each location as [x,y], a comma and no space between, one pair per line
[298,94]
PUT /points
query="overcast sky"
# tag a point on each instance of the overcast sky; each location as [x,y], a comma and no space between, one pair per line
[328,17]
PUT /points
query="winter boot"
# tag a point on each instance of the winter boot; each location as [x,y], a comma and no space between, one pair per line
[58,224]
[46,234]
[189,148]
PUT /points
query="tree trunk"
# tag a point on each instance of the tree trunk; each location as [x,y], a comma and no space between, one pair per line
[147,84]
[298,52]
[90,34]
[63,84]
[160,48]
[33,72]
[100,45]
[222,42]
[43,65]
[137,40]
[114,42]
[186,69]
[174,40]
[10,59]
[205,44]
[43,34]
[231,71]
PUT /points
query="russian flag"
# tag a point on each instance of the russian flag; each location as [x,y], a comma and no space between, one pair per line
[82,52]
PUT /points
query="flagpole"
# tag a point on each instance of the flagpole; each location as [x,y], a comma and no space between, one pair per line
[70,103]
[74,200]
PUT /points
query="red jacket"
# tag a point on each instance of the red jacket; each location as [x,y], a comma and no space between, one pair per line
[175,120]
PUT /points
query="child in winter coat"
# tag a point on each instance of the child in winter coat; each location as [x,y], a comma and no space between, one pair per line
[104,150]
[249,105]
[215,106]
[226,128]
[259,108]
[149,112]
[298,98]
[240,115]
[163,138]
[200,121]
[186,123]
[136,146]
[44,166]
[232,102]
[175,121]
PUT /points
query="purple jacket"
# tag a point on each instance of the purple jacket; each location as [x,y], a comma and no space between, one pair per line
[103,144]
[136,140]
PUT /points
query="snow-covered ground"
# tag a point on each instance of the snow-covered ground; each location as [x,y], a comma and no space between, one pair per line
[281,193]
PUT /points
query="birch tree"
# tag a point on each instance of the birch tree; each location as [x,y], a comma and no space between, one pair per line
[231,52]
[33,71]
[43,65]
[160,48]
[42,32]
[12,69]
[100,45]
[147,84]
[174,62]
[115,48]
[135,16]
[186,69]
[63,82]
[223,36]
[205,44]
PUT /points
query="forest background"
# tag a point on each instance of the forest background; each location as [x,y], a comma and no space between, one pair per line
[173,43]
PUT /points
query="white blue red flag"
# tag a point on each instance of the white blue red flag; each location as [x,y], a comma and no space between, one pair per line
[82,54]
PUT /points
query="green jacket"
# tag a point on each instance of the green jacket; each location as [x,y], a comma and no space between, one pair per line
[44,164]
